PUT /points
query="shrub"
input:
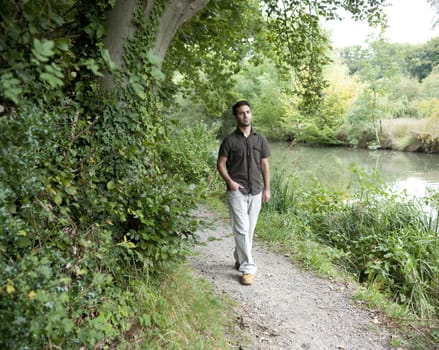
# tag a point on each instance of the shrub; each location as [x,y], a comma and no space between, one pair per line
[81,216]
[192,153]
[86,203]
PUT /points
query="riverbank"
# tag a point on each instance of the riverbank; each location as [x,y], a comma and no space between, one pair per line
[401,134]
[382,239]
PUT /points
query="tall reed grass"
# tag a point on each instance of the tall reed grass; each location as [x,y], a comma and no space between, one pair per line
[386,239]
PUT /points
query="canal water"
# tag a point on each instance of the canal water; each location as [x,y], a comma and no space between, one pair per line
[415,173]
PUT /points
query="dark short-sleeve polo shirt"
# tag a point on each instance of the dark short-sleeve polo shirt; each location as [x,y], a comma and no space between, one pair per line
[244,156]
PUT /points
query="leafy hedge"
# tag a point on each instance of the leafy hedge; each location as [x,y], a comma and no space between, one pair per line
[87,203]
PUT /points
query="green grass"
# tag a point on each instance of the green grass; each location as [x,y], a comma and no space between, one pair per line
[182,313]
[381,241]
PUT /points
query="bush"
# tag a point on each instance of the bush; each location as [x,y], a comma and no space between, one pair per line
[192,153]
[86,203]
[80,217]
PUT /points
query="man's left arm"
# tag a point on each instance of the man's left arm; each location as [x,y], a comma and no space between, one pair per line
[265,168]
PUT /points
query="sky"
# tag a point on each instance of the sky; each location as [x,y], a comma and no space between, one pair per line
[410,21]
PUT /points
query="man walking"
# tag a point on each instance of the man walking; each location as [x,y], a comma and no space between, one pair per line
[243,163]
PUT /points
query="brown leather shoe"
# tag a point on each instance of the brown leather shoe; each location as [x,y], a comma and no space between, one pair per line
[247,278]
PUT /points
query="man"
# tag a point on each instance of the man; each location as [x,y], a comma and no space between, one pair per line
[242,162]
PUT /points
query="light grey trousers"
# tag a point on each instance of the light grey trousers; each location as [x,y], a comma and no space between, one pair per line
[244,211]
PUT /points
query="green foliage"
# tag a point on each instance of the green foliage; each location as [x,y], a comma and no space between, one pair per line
[420,62]
[191,153]
[45,263]
[379,64]
[88,218]
[404,98]
[10,87]
[43,53]
[387,240]
[300,44]
[430,85]
[87,203]
[388,92]
[322,127]
[379,59]
[209,50]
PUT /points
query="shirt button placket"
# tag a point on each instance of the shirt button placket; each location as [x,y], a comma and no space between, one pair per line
[249,165]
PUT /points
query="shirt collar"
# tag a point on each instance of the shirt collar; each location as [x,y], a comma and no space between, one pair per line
[239,132]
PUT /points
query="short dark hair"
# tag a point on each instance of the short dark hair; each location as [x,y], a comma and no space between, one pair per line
[239,104]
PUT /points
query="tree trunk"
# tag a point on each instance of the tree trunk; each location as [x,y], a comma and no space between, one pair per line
[119,27]
[176,13]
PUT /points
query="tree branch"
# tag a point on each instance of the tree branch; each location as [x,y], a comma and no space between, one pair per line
[174,16]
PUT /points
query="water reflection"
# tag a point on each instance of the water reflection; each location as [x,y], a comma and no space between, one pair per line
[415,186]
[332,166]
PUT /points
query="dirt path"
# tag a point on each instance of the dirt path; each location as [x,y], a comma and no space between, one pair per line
[286,308]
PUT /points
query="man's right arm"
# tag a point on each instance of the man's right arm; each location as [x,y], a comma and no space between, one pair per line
[222,169]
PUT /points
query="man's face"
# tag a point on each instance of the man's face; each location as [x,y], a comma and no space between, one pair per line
[244,116]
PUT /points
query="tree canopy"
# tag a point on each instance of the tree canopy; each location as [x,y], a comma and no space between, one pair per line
[220,36]
[208,50]
[91,199]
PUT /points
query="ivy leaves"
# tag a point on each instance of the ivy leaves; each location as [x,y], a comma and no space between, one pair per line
[10,86]
[44,48]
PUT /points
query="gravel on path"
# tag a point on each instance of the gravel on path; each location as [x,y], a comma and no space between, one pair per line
[285,307]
